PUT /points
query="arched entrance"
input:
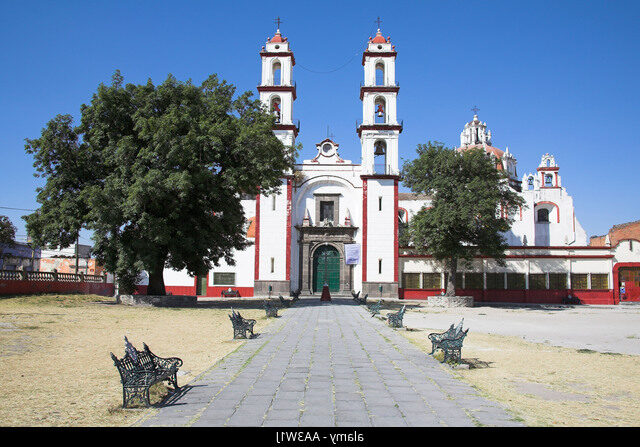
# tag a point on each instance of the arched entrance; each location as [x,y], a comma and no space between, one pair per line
[326,268]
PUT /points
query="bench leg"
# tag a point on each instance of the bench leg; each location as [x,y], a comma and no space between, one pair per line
[139,394]
[174,381]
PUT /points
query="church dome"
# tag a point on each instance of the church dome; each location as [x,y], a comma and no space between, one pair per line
[277,38]
[379,38]
[488,149]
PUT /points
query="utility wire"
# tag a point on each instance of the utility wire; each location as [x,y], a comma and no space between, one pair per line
[330,71]
[18,209]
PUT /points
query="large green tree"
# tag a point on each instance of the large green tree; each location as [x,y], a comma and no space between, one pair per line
[7,230]
[7,236]
[157,173]
[472,206]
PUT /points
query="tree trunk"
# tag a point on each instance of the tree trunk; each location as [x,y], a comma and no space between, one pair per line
[156,280]
[452,269]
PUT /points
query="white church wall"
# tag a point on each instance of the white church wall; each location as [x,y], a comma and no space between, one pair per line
[273,232]
[380,230]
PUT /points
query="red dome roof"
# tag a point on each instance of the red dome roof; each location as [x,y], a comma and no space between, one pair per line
[379,38]
[488,149]
[278,38]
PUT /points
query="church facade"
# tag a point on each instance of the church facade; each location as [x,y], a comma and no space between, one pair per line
[337,222]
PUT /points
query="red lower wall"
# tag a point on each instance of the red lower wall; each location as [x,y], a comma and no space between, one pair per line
[11,287]
[212,291]
[516,296]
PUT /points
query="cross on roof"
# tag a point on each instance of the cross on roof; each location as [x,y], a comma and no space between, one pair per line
[277,21]
[475,109]
[378,21]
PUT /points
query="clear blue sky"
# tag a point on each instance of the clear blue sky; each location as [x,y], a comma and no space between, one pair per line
[557,77]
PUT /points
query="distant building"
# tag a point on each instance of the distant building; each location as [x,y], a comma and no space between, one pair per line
[19,256]
[64,260]
[617,233]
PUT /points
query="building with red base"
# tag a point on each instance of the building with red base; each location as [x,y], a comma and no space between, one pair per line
[336,223]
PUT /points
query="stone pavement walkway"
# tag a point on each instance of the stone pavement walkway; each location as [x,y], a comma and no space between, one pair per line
[328,364]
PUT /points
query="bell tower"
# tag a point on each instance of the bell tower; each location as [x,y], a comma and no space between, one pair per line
[379,132]
[277,89]
[273,246]
[380,128]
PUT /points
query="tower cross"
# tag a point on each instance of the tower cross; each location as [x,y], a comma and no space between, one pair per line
[277,21]
[475,109]
[378,21]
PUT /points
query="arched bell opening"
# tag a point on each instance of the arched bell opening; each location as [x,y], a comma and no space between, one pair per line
[276,73]
[380,113]
[380,74]
[380,157]
[274,108]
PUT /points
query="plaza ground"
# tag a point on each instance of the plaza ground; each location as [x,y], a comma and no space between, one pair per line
[55,363]
[542,364]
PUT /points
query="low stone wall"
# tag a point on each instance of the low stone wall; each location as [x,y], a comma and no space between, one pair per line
[158,300]
[450,301]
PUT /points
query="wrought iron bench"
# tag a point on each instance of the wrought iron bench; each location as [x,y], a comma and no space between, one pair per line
[395,319]
[450,333]
[271,310]
[241,325]
[296,295]
[375,308]
[362,300]
[229,292]
[139,370]
[355,296]
[452,347]
[285,303]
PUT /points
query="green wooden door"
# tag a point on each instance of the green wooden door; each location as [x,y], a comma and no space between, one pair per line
[201,285]
[326,269]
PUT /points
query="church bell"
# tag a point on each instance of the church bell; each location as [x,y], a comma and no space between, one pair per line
[379,150]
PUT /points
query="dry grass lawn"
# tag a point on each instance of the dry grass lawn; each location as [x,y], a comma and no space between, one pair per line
[550,386]
[54,354]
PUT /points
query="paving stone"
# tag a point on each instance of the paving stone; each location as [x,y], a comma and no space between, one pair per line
[346,368]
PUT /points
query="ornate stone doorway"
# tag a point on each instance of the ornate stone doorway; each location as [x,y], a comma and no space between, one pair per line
[326,269]
[320,246]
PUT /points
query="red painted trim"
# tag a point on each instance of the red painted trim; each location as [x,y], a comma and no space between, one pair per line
[364,229]
[380,176]
[395,231]
[216,291]
[288,254]
[544,168]
[18,287]
[524,256]
[378,89]
[616,278]
[256,273]
[292,127]
[374,54]
[554,247]
[362,127]
[271,54]
[516,296]
[278,88]
[544,202]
